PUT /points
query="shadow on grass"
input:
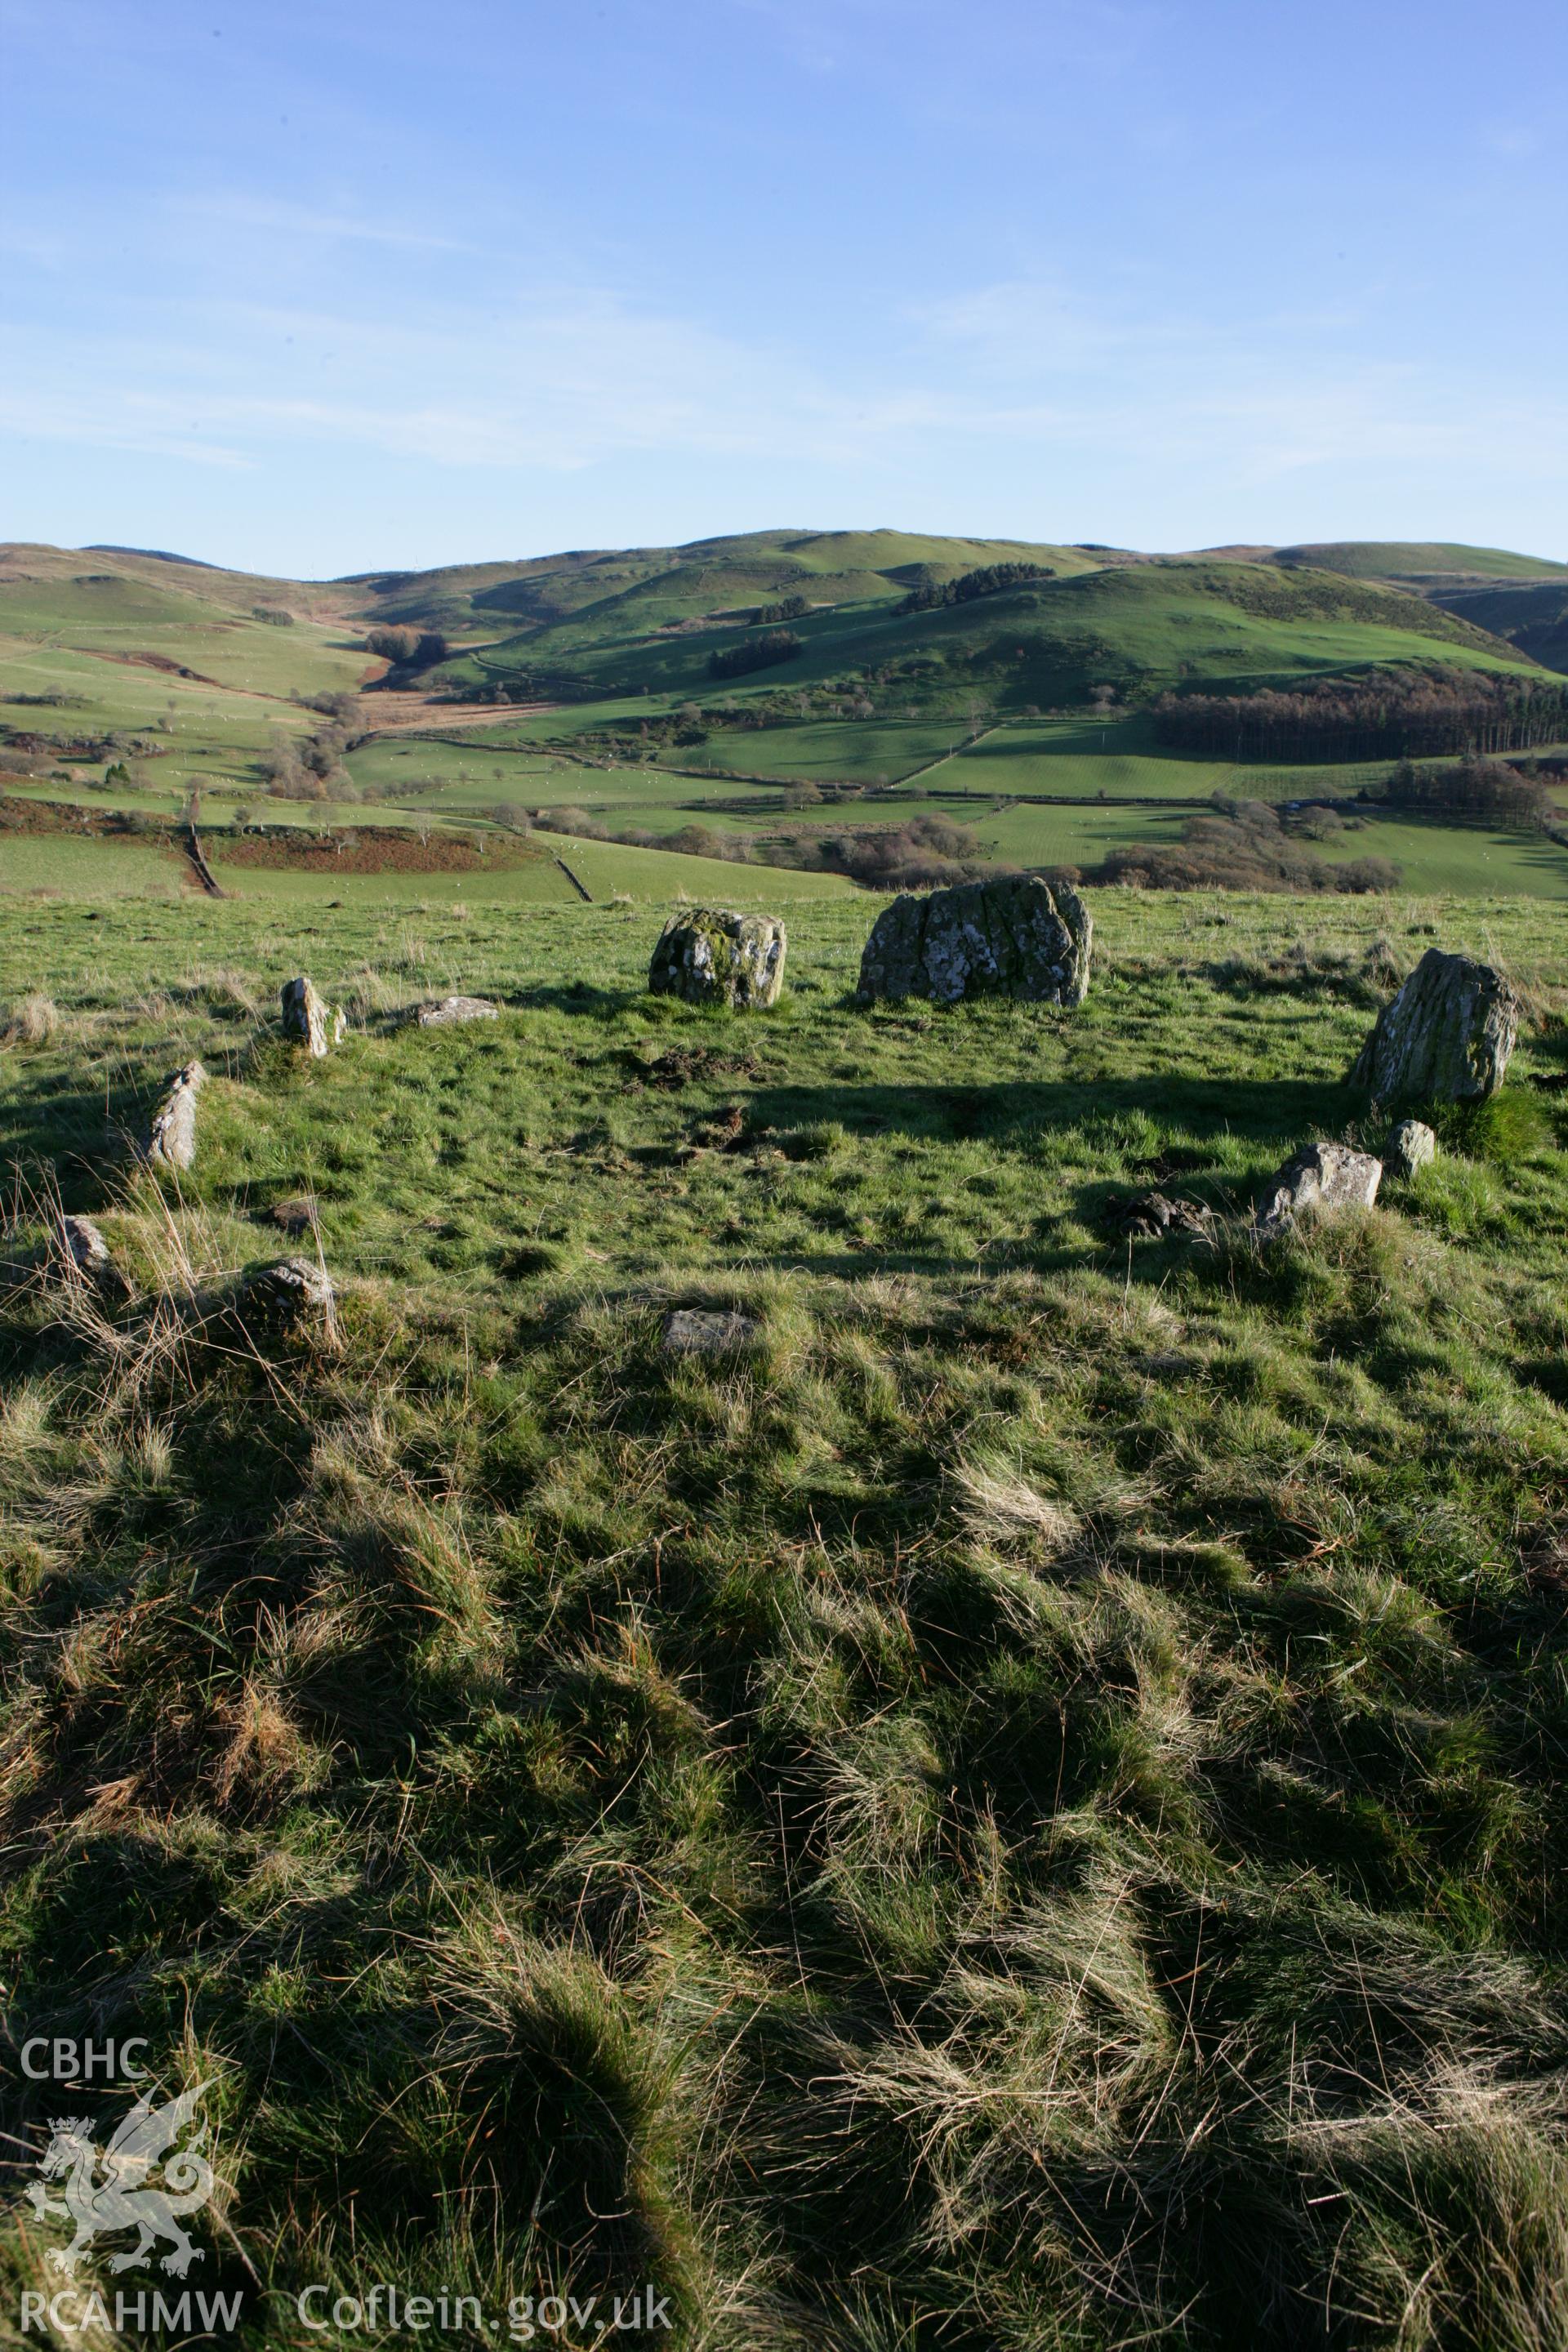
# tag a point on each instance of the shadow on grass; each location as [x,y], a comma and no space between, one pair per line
[577,996]
[1276,1111]
[85,1138]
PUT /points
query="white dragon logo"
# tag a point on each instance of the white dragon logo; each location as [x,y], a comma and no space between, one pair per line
[121,2199]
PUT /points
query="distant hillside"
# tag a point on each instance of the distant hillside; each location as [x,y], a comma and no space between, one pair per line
[622,589]
[1131,628]
[1418,560]
[684,622]
[1532,617]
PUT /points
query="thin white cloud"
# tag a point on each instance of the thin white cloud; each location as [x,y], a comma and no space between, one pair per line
[555,379]
[292,220]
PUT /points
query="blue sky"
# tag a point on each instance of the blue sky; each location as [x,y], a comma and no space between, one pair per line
[331,286]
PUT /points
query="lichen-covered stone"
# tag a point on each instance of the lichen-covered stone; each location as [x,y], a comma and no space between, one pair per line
[1016,936]
[309,1020]
[709,956]
[452,1009]
[1410,1145]
[1445,1037]
[292,1291]
[172,1137]
[1315,1182]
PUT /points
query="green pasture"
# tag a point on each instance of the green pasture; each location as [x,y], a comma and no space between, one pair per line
[1466,860]
[67,868]
[1019,1808]
[851,751]
[605,869]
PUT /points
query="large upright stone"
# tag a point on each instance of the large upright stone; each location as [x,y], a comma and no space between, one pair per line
[172,1139]
[710,957]
[309,1020]
[1445,1037]
[1013,937]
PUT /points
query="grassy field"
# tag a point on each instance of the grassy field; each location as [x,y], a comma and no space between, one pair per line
[68,868]
[1023,1812]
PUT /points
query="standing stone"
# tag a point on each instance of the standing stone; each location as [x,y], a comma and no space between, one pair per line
[1410,1145]
[1319,1180]
[308,1020]
[172,1139]
[1014,936]
[1445,1037]
[710,957]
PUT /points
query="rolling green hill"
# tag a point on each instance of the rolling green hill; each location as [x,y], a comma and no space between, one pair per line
[1417,560]
[1135,628]
[604,589]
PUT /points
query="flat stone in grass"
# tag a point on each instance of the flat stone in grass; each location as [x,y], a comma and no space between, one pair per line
[1014,936]
[309,1020]
[709,956]
[707,1331]
[1445,1037]
[1318,1180]
[172,1137]
[452,1009]
[1410,1145]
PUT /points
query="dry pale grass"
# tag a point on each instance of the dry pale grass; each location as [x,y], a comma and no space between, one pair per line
[34,1020]
[1000,1505]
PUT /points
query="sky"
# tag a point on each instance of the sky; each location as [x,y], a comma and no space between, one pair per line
[327,287]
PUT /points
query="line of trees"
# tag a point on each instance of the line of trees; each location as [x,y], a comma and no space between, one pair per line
[1475,792]
[773,646]
[788,608]
[1399,715]
[990,580]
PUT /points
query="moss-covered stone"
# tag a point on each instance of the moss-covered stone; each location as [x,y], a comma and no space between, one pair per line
[1012,936]
[709,956]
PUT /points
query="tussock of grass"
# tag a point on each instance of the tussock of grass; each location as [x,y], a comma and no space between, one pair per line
[34,1020]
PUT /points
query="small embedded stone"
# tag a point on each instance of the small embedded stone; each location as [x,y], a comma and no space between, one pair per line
[450,1009]
[1320,1179]
[1147,1216]
[79,1243]
[1410,1145]
[298,1216]
[292,1291]
[705,1331]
